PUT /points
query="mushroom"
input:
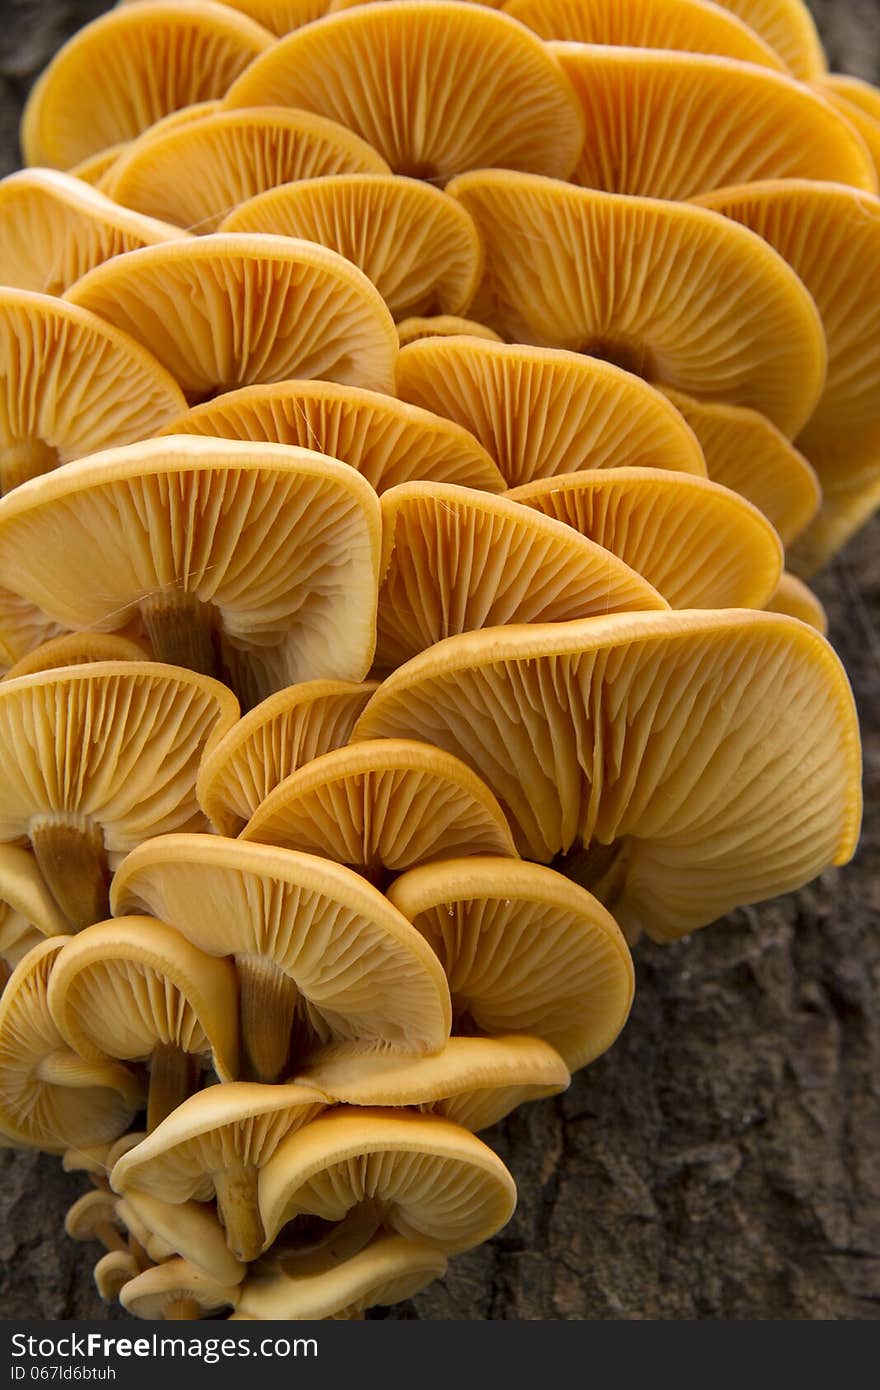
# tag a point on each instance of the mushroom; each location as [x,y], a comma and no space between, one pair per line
[318,951]
[793,597]
[788,27]
[380,807]
[28,912]
[386,440]
[149,59]
[540,411]
[94,758]
[113,1271]
[746,452]
[71,384]
[418,1176]
[196,172]
[679,764]
[225,310]
[95,1216]
[189,1230]
[474,1081]
[216,1143]
[733,122]
[272,741]
[211,545]
[136,990]
[442,326]
[98,169]
[279,16]
[685,297]
[414,82]
[50,1098]
[54,228]
[859,102]
[77,649]
[175,1291]
[699,544]
[830,236]
[95,168]
[91,1160]
[23,628]
[454,559]
[419,247]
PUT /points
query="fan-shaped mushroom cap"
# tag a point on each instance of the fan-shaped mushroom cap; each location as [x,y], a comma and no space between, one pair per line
[843,512]
[137,990]
[190,1230]
[77,649]
[413,80]
[214,544]
[96,167]
[442,326]
[525,951]
[746,452]
[387,1270]
[94,758]
[152,59]
[225,310]
[732,122]
[279,16]
[95,1216]
[91,1160]
[539,411]
[474,1081]
[690,26]
[196,173]
[788,27]
[705,759]
[859,102]
[793,597]
[49,1097]
[428,1179]
[54,228]
[176,1290]
[313,944]
[28,912]
[386,440]
[217,1141]
[272,741]
[23,628]
[694,302]
[113,1271]
[419,247]
[454,559]
[71,384]
[830,236]
[382,806]
[699,544]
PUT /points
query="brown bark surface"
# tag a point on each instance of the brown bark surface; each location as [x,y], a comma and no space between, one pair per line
[723,1161]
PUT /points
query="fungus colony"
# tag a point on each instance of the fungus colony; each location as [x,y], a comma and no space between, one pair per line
[412,427]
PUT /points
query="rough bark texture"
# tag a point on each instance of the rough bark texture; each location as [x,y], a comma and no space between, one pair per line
[723,1160]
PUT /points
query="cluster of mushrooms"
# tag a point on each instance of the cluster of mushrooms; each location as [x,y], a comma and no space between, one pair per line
[417,420]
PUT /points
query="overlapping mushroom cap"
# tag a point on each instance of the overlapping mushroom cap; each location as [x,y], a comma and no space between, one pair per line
[176,1291]
[792,596]
[859,102]
[78,649]
[222,311]
[189,1230]
[442,326]
[788,27]
[28,912]
[684,298]
[23,628]
[703,759]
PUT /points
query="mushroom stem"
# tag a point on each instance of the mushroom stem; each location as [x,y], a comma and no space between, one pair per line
[239,1209]
[71,858]
[267,1003]
[601,869]
[181,630]
[182,1310]
[25,459]
[109,1237]
[174,1075]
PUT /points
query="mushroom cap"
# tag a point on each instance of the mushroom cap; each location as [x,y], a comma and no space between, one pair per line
[843,511]
[23,628]
[190,1230]
[77,649]
[539,411]
[126,987]
[442,326]
[54,228]
[49,1098]
[432,1180]
[418,246]
[386,440]
[112,1272]
[239,1124]
[282,543]
[454,559]
[17,937]
[387,803]
[717,752]
[693,301]
[792,596]
[200,305]
[71,384]
[689,26]
[386,1271]
[279,16]
[474,1082]
[175,1282]
[412,79]
[24,894]
[699,544]
[115,742]
[361,970]
[194,173]
[91,1160]
[746,452]
[272,741]
[788,27]
[857,112]
[525,951]
[152,59]
[733,123]
[93,1209]
[96,167]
